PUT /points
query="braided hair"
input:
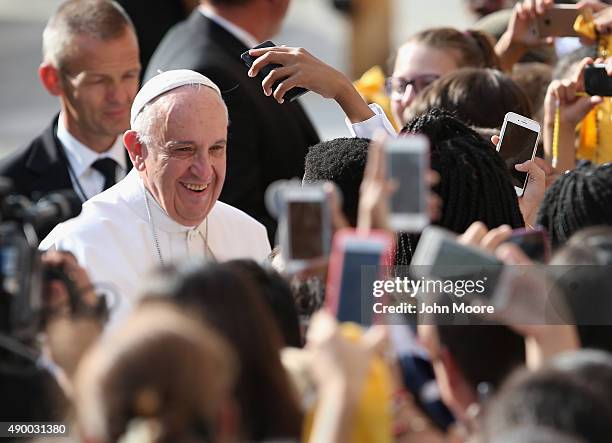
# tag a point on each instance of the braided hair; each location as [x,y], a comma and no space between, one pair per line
[474,182]
[580,198]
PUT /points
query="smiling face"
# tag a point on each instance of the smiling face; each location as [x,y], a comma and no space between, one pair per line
[417,62]
[183,159]
[98,83]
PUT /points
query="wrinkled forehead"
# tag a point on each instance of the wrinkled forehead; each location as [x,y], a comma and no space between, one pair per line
[189,110]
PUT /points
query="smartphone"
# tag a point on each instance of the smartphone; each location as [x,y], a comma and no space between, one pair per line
[355,263]
[407,164]
[439,256]
[558,21]
[518,142]
[597,81]
[534,243]
[304,225]
[248,60]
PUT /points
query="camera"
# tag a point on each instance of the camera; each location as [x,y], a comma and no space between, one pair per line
[22,275]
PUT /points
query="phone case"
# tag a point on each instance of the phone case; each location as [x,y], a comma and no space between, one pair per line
[597,81]
[248,60]
[558,22]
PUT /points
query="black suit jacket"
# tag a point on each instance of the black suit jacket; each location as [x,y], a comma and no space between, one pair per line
[266,141]
[40,167]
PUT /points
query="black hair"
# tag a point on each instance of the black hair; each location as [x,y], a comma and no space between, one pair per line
[590,365]
[582,270]
[474,182]
[554,399]
[342,161]
[277,294]
[485,353]
[577,199]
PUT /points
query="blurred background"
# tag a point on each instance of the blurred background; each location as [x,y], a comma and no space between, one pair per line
[318,26]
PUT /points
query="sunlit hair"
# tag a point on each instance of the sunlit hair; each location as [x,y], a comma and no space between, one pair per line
[102,19]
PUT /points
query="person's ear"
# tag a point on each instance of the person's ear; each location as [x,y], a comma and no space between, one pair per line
[50,78]
[136,150]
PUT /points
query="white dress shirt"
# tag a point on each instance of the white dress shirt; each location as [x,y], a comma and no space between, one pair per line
[117,243]
[247,39]
[377,123]
[84,178]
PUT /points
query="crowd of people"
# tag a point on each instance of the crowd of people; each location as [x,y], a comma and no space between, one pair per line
[168,310]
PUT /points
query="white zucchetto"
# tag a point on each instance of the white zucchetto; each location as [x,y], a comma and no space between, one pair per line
[164,82]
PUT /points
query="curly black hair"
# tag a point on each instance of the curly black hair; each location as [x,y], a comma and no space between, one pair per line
[474,182]
[342,161]
[580,198]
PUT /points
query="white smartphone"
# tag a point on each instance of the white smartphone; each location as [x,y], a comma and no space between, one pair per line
[518,142]
[304,226]
[407,163]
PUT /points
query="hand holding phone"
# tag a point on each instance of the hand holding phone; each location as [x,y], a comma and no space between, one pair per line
[248,60]
[518,142]
[597,81]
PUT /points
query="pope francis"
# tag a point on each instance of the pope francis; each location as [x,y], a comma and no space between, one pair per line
[166,209]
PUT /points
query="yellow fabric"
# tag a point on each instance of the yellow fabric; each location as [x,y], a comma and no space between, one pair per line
[371,86]
[595,130]
[373,420]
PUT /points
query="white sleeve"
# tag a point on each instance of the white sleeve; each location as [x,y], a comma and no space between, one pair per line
[367,128]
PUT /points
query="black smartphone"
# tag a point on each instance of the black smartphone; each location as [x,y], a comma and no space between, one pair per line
[534,243]
[248,60]
[597,81]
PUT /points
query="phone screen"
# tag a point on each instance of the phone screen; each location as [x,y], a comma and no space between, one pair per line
[517,147]
[407,170]
[356,281]
[306,229]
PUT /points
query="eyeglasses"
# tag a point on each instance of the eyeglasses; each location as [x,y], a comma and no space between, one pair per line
[396,86]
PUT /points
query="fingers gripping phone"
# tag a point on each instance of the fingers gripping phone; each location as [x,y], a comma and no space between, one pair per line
[304,225]
[597,81]
[518,142]
[407,164]
[248,60]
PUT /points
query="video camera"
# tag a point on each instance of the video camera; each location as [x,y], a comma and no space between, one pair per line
[22,276]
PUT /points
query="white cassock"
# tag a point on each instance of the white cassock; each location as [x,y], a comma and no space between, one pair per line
[117,243]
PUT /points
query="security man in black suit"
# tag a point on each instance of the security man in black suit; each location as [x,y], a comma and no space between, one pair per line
[267,141]
[91,63]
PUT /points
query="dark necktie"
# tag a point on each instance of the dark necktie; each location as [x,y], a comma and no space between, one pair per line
[108,168]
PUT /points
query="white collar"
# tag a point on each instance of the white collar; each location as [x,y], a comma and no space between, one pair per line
[133,192]
[80,156]
[246,38]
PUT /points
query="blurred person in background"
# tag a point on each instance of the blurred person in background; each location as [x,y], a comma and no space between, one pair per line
[162,377]
[220,296]
[91,63]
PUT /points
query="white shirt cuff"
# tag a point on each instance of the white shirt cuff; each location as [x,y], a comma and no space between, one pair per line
[377,123]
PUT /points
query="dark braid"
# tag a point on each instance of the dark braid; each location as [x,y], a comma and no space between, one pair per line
[474,182]
[579,198]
